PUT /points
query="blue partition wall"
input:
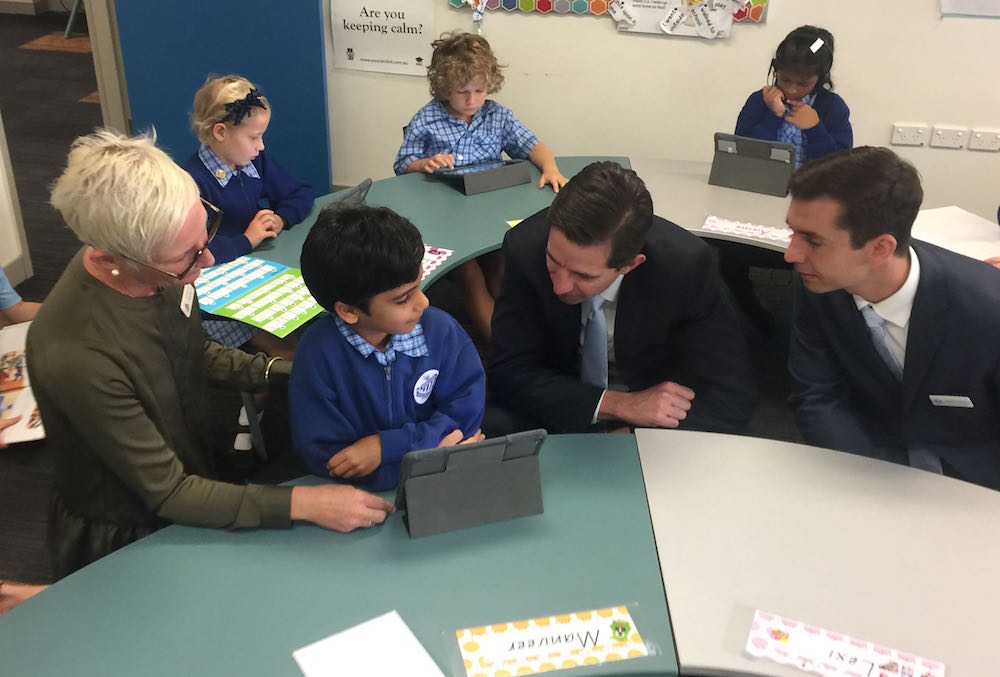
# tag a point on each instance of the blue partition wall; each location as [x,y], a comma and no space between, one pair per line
[169,47]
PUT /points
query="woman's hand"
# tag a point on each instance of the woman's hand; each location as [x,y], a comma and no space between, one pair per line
[339,507]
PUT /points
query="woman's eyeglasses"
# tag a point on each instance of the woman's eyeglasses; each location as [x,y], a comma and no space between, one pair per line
[212,224]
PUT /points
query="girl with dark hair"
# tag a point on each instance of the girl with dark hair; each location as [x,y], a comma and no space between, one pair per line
[799,106]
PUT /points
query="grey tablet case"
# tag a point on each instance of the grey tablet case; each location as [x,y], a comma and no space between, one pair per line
[450,488]
[486,176]
[752,164]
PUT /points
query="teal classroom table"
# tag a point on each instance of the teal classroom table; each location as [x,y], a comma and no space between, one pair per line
[468,225]
[206,602]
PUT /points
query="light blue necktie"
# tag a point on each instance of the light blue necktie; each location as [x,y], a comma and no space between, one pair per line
[594,357]
[876,327]
[919,458]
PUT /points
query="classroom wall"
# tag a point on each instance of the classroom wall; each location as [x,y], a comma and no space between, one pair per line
[585,89]
[168,48]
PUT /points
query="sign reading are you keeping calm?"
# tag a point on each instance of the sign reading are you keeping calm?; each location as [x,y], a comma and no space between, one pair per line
[389,36]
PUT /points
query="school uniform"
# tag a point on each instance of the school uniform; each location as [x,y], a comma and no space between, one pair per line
[424,385]
[492,130]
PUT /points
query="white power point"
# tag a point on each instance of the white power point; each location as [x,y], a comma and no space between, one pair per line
[943,136]
[985,139]
[909,134]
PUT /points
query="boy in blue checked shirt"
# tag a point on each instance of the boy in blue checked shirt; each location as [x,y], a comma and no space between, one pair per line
[382,374]
[460,126]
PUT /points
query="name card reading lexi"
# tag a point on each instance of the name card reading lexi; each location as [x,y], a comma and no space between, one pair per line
[832,654]
[714,224]
[551,643]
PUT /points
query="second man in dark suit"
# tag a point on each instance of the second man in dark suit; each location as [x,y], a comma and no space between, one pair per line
[894,341]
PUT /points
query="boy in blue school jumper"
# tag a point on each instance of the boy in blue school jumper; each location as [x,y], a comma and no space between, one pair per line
[382,374]
[258,197]
[799,107]
[460,126]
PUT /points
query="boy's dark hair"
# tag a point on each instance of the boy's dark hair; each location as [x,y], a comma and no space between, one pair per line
[878,192]
[795,54]
[356,252]
[604,202]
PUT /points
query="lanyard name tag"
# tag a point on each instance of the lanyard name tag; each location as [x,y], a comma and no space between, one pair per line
[187,300]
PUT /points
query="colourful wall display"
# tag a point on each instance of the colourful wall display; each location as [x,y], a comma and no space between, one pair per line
[748,11]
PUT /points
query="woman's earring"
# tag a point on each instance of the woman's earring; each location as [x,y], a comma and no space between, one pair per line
[115,272]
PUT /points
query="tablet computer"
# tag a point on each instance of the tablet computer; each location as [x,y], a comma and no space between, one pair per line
[482,177]
[492,451]
[755,165]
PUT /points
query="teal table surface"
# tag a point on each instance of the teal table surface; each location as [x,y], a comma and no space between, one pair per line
[205,602]
[468,225]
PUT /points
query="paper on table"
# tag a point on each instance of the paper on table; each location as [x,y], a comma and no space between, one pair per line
[820,651]
[381,646]
[751,230]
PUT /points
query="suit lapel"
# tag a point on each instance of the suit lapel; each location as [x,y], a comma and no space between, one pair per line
[927,326]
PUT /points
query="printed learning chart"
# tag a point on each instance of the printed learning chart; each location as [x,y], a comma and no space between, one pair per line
[263,294]
[269,295]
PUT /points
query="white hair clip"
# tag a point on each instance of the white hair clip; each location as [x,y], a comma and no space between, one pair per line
[816,45]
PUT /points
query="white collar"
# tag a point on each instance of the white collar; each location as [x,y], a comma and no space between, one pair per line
[610,295]
[897,307]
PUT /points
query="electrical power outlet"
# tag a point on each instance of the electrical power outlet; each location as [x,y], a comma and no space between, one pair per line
[909,134]
[985,139]
[944,136]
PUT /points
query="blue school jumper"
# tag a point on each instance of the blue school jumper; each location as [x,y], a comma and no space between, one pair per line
[424,385]
[832,133]
[240,196]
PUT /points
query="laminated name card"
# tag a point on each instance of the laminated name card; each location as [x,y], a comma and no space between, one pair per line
[551,643]
[832,654]
[751,230]
[434,257]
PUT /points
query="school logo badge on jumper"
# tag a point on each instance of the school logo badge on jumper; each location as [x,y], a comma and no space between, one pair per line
[424,386]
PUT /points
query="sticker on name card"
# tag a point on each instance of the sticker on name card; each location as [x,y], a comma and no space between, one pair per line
[549,643]
[714,224]
[831,654]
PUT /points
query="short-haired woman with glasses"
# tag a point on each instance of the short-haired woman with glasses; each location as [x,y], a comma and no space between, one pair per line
[121,367]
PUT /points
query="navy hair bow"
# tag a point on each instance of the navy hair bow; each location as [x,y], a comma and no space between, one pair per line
[243,108]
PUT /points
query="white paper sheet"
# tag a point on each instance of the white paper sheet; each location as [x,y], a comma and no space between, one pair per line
[382,646]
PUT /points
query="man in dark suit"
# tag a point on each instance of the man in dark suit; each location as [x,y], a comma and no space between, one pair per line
[608,314]
[894,350]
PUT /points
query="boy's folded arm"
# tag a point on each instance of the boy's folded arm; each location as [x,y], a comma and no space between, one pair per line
[320,428]
[460,401]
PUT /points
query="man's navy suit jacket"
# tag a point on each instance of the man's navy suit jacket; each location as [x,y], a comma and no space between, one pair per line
[846,398]
[674,322]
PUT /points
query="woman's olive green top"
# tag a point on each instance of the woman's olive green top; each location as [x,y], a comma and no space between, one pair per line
[122,386]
